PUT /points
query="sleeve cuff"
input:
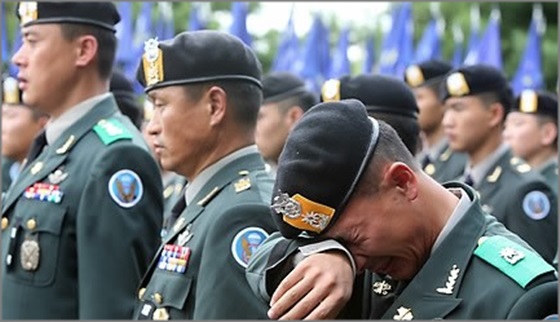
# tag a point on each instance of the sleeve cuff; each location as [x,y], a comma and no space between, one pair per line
[323,246]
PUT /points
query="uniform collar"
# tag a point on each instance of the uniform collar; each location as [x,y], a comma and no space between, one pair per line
[481,169]
[457,214]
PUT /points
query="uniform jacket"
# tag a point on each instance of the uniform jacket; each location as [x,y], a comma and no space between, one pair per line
[447,166]
[199,270]
[465,278]
[89,252]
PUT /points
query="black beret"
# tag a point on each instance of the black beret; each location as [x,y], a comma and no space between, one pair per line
[324,157]
[99,14]
[197,56]
[124,94]
[11,94]
[426,73]
[472,80]
[280,86]
[379,93]
[536,102]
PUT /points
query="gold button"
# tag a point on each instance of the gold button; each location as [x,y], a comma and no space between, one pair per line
[141,293]
[158,298]
[4,223]
[31,224]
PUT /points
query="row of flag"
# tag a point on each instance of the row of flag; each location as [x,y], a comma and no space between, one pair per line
[313,60]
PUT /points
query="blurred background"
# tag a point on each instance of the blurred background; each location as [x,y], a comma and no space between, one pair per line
[322,40]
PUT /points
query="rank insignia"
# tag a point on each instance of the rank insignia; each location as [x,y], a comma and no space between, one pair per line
[125,188]
[536,205]
[511,255]
[174,258]
[36,168]
[44,192]
[152,62]
[242,184]
[58,176]
[303,213]
[451,280]
[403,314]
[381,287]
[245,243]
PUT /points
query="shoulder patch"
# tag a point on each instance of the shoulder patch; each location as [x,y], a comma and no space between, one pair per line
[125,188]
[245,243]
[515,261]
[110,131]
[536,205]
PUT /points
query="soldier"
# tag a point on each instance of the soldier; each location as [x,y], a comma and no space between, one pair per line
[477,100]
[386,98]
[532,132]
[431,260]
[206,91]
[82,220]
[285,99]
[20,125]
[437,158]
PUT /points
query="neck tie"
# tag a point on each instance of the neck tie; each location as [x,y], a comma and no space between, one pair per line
[37,147]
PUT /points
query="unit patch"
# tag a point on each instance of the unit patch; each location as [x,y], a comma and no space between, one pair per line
[536,205]
[245,243]
[125,188]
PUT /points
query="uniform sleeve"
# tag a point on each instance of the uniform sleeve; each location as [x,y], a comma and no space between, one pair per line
[222,289]
[538,303]
[535,218]
[117,230]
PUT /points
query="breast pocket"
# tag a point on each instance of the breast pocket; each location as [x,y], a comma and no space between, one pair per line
[165,297]
[37,245]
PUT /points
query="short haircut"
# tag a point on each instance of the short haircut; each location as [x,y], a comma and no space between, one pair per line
[106,44]
[390,148]
[504,97]
[243,98]
[406,127]
[305,101]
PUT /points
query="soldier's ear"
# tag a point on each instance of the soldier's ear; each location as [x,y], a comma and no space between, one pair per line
[497,114]
[401,177]
[86,50]
[217,104]
[549,133]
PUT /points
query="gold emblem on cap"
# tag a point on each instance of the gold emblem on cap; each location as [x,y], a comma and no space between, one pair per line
[457,85]
[152,62]
[528,101]
[27,11]
[11,91]
[414,76]
[331,91]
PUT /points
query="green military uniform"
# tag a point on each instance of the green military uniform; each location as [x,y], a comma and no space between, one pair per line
[521,199]
[199,271]
[81,222]
[6,177]
[446,165]
[549,171]
[479,271]
[173,185]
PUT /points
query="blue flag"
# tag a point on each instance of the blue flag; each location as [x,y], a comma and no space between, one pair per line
[195,20]
[5,42]
[406,43]
[125,54]
[288,49]
[429,45]
[529,73]
[474,38]
[311,62]
[389,46]
[239,12]
[457,59]
[165,28]
[340,64]
[142,32]
[369,57]
[489,49]
[397,47]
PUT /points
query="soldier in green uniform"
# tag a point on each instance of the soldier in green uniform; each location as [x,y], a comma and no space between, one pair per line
[82,220]
[425,259]
[478,99]
[386,98]
[437,158]
[206,90]
[532,132]
[285,99]
[20,125]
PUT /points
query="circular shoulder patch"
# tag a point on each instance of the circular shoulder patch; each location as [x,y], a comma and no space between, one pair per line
[125,188]
[246,242]
[536,205]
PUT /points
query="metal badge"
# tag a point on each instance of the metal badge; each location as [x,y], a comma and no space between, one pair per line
[286,206]
[36,168]
[30,253]
[161,314]
[242,185]
[185,236]
[381,288]
[58,176]
[511,255]
[451,280]
[403,314]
